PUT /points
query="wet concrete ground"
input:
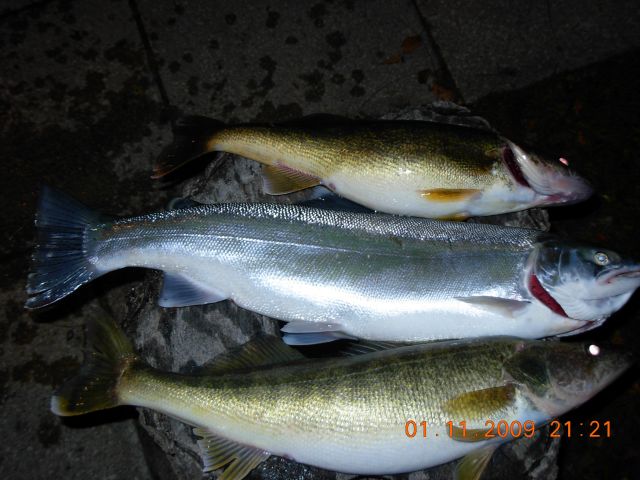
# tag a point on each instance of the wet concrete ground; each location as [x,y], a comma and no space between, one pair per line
[87,89]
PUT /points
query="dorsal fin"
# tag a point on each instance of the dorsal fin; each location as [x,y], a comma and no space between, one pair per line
[362,347]
[260,351]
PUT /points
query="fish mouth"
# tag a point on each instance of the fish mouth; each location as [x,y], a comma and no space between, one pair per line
[555,184]
[608,277]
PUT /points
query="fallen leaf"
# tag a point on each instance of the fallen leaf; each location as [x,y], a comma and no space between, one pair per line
[581,138]
[410,44]
[442,93]
[577,107]
[397,58]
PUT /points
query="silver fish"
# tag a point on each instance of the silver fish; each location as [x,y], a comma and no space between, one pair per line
[336,274]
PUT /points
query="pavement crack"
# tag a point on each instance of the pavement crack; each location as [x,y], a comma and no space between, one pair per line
[151,58]
[443,74]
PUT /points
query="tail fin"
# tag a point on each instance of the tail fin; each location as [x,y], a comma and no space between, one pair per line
[59,264]
[96,385]
[192,136]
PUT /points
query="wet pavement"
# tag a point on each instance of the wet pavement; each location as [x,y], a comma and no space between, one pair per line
[88,88]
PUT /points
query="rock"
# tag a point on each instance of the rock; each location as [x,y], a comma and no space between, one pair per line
[179,339]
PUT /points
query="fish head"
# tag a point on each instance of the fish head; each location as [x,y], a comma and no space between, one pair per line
[557,376]
[553,181]
[582,282]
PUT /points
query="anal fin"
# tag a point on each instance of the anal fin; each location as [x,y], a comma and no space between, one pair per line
[180,291]
[331,201]
[312,333]
[449,194]
[301,339]
[216,452]
[279,180]
[472,466]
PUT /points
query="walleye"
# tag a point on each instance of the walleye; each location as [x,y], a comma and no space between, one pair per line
[336,274]
[350,414]
[422,169]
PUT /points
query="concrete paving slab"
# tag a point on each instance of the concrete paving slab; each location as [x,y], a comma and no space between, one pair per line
[80,112]
[503,45]
[9,7]
[37,356]
[245,60]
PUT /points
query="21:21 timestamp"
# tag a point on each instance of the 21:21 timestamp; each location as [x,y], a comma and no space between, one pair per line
[592,429]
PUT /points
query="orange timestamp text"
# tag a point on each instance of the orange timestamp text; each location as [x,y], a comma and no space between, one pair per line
[513,429]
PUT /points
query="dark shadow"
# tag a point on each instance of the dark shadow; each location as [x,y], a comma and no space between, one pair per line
[102,417]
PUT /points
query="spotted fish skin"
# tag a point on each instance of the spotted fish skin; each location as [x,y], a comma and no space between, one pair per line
[423,169]
[347,414]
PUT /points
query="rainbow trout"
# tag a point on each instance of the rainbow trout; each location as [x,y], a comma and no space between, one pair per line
[352,414]
[335,274]
[422,169]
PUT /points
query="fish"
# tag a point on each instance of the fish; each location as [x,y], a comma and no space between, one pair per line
[413,168]
[350,414]
[339,274]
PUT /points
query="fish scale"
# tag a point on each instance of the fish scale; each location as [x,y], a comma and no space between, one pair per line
[347,414]
[271,258]
[335,396]
[423,169]
[334,274]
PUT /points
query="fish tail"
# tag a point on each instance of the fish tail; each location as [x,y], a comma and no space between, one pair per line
[192,139]
[95,387]
[60,264]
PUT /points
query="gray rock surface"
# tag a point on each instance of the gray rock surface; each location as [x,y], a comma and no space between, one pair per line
[79,111]
[179,339]
[37,444]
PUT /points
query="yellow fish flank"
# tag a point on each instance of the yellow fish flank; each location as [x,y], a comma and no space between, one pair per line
[347,414]
[414,168]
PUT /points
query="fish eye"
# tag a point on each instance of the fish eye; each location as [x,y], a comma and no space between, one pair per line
[594,350]
[601,258]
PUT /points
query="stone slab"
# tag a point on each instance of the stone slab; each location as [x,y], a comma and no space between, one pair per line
[245,60]
[503,45]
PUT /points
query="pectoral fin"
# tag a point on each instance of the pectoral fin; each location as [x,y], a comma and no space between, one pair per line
[468,434]
[278,180]
[180,291]
[486,403]
[449,194]
[216,452]
[501,306]
[473,465]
